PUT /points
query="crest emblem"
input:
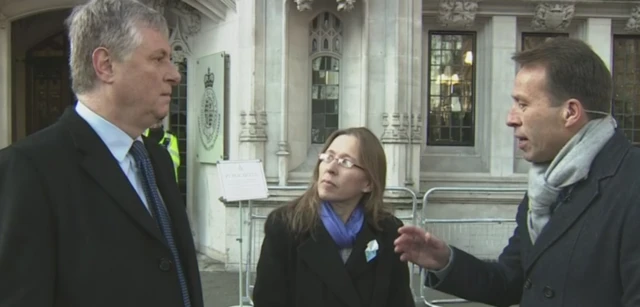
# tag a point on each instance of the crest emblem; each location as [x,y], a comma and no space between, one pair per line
[209,118]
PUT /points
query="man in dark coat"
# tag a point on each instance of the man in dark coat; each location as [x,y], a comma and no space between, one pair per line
[576,241]
[90,213]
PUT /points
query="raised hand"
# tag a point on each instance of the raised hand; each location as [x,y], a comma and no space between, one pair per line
[422,248]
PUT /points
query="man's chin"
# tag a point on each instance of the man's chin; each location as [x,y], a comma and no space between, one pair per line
[536,160]
[161,114]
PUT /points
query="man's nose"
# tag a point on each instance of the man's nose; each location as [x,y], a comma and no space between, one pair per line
[174,76]
[513,118]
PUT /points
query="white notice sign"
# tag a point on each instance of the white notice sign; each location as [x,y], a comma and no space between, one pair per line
[242,180]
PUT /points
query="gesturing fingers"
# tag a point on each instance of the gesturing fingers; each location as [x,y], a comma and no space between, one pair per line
[412,240]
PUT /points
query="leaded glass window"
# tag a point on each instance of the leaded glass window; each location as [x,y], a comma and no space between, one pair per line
[325,46]
[451,95]
[178,125]
[626,81]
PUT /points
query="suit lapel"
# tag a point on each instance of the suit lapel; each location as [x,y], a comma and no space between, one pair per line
[357,262]
[381,264]
[104,169]
[584,194]
[321,254]
[563,218]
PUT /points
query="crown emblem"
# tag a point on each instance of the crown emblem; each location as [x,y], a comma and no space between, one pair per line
[208,78]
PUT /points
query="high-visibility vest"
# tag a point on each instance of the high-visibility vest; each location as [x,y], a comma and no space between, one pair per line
[170,142]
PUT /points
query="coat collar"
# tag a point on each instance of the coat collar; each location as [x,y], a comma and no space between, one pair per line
[99,163]
[322,256]
[605,165]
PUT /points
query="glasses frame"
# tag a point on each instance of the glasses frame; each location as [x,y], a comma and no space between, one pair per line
[328,158]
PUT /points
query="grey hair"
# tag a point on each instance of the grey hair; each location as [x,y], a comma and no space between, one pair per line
[112,24]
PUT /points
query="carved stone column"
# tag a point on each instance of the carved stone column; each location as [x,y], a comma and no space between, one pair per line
[284,152]
[253,135]
[253,130]
[501,47]
[414,96]
[395,39]
[5,81]
[397,89]
[395,139]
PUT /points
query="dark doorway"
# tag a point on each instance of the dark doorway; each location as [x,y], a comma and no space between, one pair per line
[48,84]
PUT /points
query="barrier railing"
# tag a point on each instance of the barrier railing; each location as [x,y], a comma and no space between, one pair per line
[247,289]
[426,222]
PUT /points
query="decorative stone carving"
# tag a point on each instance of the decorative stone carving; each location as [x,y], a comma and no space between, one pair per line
[552,16]
[184,13]
[460,13]
[345,5]
[416,128]
[395,128]
[253,126]
[179,47]
[633,24]
[304,5]
[187,16]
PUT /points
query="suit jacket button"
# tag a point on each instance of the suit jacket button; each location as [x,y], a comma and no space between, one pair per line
[548,292]
[165,265]
[527,284]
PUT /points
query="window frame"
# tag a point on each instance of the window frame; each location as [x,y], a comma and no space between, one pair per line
[635,127]
[474,95]
[319,54]
[180,94]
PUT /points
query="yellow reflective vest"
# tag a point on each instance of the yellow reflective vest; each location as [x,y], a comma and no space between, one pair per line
[170,142]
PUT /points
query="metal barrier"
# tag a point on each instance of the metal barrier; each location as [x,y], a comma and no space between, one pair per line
[247,289]
[426,221]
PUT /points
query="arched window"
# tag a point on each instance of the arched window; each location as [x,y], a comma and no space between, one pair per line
[325,45]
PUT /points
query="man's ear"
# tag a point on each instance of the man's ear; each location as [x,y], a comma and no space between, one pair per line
[103,64]
[573,112]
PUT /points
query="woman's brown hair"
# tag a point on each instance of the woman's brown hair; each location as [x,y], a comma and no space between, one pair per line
[302,214]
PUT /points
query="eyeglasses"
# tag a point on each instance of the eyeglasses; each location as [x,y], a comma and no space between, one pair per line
[325,157]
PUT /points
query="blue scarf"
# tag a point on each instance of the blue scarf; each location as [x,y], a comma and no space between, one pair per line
[344,234]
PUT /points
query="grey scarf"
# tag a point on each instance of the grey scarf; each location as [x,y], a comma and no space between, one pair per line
[571,165]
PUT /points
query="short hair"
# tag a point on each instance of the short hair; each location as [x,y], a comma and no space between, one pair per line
[112,24]
[573,70]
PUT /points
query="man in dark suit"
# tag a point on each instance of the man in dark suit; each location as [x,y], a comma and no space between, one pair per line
[576,241]
[90,214]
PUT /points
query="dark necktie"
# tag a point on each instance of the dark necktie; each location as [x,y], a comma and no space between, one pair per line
[158,210]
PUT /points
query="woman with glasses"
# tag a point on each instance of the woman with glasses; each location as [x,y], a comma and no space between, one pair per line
[333,246]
